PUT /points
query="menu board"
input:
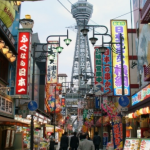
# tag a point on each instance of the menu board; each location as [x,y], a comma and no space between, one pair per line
[145,144]
[132,144]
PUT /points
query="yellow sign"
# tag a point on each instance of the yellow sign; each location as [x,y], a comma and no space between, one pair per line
[7,12]
[117,27]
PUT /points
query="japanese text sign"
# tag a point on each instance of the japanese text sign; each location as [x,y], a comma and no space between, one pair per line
[98,71]
[63,102]
[107,71]
[22,63]
[141,95]
[118,27]
[117,133]
[52,69]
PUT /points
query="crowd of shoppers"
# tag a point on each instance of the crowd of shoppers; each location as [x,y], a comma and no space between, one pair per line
[81,141]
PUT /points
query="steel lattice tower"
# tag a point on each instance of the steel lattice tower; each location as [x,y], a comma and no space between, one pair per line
[81,11]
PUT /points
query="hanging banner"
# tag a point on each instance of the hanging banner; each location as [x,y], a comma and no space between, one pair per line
[50,98]
[117,133]
[98,72]
[52,68]
[107,71]
[22,72]
[117,27]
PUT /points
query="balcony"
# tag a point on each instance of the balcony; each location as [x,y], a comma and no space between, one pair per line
[146,72]
[145,13]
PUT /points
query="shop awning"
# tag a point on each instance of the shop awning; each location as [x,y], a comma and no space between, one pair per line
[8,121]
[140,105]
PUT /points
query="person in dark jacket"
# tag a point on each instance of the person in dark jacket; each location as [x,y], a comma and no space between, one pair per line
[96,141]
[64,143]
[74,142]
[52,142]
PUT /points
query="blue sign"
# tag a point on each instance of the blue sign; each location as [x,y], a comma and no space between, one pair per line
[97,102]
[107,71]
[32,106]
[123,101]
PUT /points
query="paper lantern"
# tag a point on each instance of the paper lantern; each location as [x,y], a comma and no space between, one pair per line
[138,113]
[130,115]
[146,110]
[141,111]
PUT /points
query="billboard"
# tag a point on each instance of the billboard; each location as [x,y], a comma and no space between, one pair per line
[141,95]
[117,27]
[107,71]
[98,72]
[22,63]
[52,69]
[103,71]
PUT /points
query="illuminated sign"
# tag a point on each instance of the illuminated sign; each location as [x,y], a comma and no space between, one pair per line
[141,95]
[22,63]
[52,69]
[107,71]
[118,27]
[98,71]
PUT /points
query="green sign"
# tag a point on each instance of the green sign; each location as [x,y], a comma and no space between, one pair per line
[85,112]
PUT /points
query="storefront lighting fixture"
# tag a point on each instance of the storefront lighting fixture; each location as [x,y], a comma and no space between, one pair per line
[13,58]
[2,44]
[9,54]
[5,49]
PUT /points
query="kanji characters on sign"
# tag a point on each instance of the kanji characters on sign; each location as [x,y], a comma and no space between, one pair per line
[22,63]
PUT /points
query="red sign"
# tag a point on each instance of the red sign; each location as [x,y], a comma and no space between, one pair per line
[22,63]
[63,102]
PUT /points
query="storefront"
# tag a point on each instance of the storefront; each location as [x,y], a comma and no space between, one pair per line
[138,121]
[40,139]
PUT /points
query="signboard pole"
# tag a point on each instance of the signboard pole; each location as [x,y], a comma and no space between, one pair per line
[32,124]
[122,72]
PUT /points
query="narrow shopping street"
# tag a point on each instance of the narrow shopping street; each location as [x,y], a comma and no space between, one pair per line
[75,75]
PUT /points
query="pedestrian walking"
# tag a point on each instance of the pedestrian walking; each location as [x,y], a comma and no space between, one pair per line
[87,136]
[96,141]
[74,142]
[85,144]
[64,143]
[52,142]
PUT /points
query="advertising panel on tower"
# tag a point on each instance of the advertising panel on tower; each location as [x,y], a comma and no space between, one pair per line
[117,27]
[22,71]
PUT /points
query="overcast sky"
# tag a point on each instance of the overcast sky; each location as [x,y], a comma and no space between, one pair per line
[51,18]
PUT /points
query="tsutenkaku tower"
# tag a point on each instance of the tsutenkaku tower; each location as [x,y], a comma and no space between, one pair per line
[81,11]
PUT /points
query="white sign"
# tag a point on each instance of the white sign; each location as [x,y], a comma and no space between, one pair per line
[124,109]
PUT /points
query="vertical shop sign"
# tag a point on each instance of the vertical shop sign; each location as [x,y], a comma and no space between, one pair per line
[117,27]
[52,69]
[117,133]
[22,63]
[98,71]
[107,71]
